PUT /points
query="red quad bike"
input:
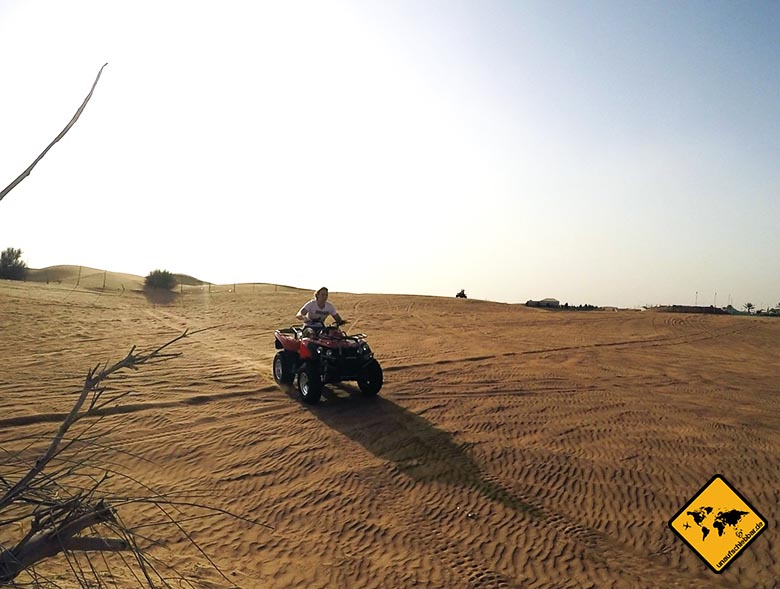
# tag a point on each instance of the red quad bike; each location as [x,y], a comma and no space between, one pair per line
[323,355]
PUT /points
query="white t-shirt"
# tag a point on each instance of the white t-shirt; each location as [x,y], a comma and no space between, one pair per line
[316,314]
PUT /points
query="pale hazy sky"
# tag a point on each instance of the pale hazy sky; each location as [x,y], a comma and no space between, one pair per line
[615,153]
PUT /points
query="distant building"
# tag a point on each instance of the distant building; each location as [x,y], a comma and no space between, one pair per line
[551,303]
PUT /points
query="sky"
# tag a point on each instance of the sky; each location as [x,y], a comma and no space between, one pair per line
[604,152]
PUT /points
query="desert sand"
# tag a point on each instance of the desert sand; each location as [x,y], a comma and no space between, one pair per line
[509,446]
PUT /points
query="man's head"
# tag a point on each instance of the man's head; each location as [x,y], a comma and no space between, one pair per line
[321,295]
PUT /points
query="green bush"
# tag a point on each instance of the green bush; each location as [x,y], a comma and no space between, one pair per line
[160,279]
[12,266]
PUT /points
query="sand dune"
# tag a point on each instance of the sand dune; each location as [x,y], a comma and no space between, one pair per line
[88,278]
[510,447]
[105,281]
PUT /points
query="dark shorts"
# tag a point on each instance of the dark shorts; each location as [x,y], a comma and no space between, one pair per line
[312,329]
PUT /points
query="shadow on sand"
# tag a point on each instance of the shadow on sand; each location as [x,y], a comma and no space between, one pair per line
[412,444]
[160,296]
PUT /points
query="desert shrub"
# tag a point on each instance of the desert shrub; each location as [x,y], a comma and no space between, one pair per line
[12,266]
[160,279]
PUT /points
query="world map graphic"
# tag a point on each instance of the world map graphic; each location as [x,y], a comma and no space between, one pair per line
[707,518]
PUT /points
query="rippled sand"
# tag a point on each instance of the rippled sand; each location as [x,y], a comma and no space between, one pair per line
[510,447]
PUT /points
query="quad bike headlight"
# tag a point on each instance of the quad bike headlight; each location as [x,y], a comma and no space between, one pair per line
[364,349]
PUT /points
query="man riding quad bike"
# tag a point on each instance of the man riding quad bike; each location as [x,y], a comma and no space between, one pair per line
[318,354]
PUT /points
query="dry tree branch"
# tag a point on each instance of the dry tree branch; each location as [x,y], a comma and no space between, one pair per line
[65,520]
[56,523]
[92,384]
[51,541]
[63,517]
[72,122]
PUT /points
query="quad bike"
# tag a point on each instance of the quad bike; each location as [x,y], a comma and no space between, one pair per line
[322,355]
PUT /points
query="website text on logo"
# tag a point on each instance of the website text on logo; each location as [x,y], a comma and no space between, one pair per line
[718,523]
[744,538]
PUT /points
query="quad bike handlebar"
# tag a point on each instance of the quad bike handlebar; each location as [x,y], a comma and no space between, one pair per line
[319,328]
[323,325]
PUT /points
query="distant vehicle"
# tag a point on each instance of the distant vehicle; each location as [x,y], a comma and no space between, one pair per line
[461,294]
[322,355]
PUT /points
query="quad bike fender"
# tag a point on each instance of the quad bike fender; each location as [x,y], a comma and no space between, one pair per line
[290,346]
[284,339]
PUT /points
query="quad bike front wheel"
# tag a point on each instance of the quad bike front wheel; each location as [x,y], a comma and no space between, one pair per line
[370,378]
[309,384]
[283,369]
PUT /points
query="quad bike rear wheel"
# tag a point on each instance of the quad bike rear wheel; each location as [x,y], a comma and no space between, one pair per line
[309,384]
[283,368]
[370,378]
